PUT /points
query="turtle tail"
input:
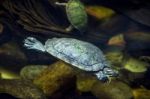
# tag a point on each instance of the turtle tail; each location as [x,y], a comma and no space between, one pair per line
[33,43]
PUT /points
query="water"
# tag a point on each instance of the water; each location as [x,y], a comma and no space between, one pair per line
[42,19]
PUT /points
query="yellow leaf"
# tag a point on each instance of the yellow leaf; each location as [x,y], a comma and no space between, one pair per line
[99,12]
[117,40]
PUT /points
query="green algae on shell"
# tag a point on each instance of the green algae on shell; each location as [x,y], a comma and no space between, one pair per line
[76,14]
[80,54]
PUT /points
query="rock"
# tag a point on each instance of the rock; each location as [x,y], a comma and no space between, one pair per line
[112,90]
[141,93]
[12,54]
[7,74]
[22,89]
[32,71]
[136,66]
[85,82]
[56,78]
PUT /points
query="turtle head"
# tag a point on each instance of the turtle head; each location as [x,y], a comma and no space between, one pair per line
[110,72]
[106,74]
[33,43]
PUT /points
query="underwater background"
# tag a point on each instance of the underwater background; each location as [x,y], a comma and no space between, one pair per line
[119,28]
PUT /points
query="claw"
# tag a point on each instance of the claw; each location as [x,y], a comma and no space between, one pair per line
[27,45]
[30,40]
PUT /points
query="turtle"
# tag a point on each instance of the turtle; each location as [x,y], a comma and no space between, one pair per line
[81,54]
[76,14]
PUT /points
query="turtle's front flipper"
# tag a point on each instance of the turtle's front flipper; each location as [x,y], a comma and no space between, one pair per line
[61,4]
[69,28]
[33,43]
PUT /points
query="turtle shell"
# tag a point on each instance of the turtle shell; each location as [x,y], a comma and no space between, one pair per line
[76,14]
[80,54]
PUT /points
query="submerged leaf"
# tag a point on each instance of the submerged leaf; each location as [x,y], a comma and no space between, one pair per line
[117,40]
[99,12]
